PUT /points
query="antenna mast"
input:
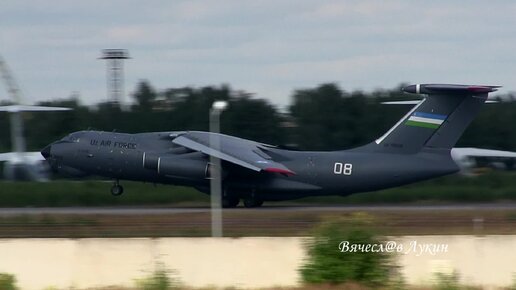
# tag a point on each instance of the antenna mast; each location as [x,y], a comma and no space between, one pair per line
[115,73]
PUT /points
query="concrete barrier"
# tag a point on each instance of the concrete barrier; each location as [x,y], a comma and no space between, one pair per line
[197,262]
[240,262]
[487,261]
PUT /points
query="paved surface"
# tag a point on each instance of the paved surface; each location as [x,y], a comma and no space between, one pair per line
[272,208]
[273,220]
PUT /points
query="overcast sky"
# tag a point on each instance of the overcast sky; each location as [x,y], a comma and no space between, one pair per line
[267,47]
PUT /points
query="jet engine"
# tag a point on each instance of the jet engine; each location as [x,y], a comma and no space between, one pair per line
[178,166]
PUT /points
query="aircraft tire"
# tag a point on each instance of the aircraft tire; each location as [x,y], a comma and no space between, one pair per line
[230,202]
[117,190]
[251,202]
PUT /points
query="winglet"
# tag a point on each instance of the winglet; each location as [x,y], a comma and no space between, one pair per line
[279,170]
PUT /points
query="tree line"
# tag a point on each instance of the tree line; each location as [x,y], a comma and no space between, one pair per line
[325,117]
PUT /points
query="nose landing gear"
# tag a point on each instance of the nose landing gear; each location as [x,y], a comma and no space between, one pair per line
[117,189]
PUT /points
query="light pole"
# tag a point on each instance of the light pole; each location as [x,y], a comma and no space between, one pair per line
[216,181]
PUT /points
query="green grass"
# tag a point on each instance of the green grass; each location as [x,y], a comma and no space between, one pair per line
[494,187]
[93,193]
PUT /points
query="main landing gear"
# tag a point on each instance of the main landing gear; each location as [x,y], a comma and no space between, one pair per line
[252,201]
[233,201]
[230,201]
[117,189]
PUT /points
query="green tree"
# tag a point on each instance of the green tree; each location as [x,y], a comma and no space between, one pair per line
[254,119]
[42,128]
[317,114]
[144,96]
[191,110]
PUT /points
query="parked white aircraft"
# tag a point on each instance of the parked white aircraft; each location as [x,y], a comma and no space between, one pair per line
[470,158]
[19,164]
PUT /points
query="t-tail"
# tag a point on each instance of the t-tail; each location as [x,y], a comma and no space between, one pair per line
[437,121]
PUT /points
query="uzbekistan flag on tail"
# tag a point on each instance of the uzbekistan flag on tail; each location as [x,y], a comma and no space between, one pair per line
[425,120]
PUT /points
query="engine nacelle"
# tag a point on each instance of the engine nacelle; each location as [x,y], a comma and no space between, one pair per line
[150,161]
[195,169]
[178,166]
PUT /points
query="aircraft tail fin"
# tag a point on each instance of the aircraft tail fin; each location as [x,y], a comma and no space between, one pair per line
[437,121]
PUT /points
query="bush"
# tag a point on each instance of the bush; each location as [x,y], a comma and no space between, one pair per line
[158,280]
[447,281]
[327,264]
[7,282]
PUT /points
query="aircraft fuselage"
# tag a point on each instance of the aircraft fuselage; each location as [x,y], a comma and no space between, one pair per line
[152,157]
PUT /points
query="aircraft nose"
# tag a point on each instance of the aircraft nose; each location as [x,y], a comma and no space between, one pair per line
[46,151]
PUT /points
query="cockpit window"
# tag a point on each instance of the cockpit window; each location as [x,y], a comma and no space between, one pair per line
[75,137]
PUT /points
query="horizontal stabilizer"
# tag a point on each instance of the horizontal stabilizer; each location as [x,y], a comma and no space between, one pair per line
[415,102]
[449,89]
[436,121]
[412,102]
[22,108]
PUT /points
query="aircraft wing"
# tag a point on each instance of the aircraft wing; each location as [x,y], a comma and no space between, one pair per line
[14,156]
[21,108]
[6,156]
[235,150]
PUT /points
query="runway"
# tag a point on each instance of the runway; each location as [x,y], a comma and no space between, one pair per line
[270,220]
[264,209]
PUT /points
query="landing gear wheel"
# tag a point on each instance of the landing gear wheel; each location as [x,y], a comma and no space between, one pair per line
[117,189]
[250,202]
[230,201]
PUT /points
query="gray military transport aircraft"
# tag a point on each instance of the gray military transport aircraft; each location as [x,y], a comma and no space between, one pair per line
[416,148]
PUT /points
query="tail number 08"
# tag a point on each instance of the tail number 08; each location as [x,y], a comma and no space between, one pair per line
[343,168]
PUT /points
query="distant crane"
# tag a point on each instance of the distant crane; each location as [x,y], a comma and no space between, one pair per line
[19,164]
